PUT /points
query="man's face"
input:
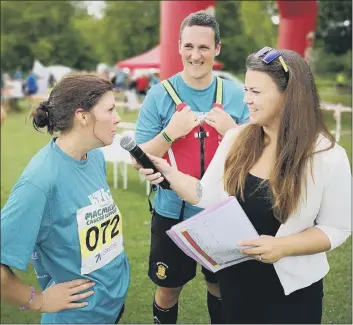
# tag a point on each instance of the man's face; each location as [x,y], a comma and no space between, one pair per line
[198,50]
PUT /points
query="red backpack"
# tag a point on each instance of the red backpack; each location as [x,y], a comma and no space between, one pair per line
[193,153]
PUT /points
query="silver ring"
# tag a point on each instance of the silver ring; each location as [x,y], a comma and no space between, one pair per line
[260,258]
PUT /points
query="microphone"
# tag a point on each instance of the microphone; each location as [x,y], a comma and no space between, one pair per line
[129,144]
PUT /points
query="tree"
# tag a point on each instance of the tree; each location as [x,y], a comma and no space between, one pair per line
[234,44]
[245,27]
[256,19]
[131,27]
[40,30]
[62,32]
[334,28]
[95,42]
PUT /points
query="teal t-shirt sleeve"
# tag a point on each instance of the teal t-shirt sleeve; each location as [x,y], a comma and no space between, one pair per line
[20,224]
[149,122]
[245,116]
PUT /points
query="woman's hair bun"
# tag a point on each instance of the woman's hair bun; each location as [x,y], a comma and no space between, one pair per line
[40,116]
[43,106]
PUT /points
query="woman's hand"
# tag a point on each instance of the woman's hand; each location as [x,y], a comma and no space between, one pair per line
[66,295]
[161,165]
[266,249]
[183,185]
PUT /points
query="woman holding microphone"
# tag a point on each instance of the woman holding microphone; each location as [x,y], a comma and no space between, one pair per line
[293,182]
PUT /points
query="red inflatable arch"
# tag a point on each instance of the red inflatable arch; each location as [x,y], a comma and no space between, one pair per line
[296,29]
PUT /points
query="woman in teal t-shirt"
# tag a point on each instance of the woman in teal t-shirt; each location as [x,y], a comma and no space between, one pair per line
[61,214]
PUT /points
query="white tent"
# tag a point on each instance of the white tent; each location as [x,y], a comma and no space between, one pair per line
[59,71]
[43,73]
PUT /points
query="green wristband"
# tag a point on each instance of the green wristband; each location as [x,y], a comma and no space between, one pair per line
[166,137]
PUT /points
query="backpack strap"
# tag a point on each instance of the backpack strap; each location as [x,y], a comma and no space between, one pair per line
[179,103]
[173,95]
[153,188]
[219,94]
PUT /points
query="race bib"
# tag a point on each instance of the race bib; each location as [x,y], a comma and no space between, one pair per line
[100,232]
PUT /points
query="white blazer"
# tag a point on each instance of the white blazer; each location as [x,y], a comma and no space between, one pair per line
[326,206]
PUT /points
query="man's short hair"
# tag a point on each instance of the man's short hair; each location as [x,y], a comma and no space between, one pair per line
[201,18]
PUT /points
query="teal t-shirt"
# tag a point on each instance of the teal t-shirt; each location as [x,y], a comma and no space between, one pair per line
[61,214]
[156,112]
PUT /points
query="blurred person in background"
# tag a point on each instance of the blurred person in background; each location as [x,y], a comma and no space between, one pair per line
[2,81]
[142,85]
[120,80]
[14,93]
[154,79]
[3,115]
[161,126]
[5,91]
[31,84]
[294,184]
[3,112]
[341,80]
[51,81]
[18,74]
[61,214]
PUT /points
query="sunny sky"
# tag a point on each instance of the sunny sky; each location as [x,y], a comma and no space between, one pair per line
[94,8]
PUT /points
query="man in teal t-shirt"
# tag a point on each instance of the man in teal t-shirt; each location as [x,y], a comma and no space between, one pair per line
[158,122]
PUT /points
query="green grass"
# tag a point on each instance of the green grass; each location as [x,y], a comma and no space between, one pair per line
[19,142]
[342,96]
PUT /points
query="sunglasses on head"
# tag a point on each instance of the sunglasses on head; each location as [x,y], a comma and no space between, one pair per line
[268,54]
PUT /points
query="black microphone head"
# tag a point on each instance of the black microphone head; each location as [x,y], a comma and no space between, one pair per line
[127,142]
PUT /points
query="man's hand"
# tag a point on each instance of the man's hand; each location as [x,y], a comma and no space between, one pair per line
[182,123]
[220,120]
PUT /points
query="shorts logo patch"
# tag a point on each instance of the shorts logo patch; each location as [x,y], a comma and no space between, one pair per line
[161,270]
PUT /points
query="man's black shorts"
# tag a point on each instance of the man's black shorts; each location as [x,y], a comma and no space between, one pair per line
[169,266]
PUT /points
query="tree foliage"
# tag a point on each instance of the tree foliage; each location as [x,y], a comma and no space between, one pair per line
[131,27]
[62,32]
[42,30]
[334,27]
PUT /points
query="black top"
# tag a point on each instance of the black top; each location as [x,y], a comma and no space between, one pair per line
[253,279]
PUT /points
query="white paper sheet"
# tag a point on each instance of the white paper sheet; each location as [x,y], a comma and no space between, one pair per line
[211,237]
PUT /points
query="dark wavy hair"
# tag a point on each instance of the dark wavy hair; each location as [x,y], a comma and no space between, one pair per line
[301,122]
[202,18]
[74,91]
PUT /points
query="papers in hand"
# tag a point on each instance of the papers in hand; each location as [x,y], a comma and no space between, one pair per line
[211,236]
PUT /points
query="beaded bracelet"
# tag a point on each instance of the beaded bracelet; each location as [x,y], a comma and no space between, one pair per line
[30,300]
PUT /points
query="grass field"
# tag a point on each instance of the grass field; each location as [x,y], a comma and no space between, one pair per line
[19,142]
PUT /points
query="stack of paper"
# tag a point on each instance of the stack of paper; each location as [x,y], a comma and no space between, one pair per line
[211,236]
